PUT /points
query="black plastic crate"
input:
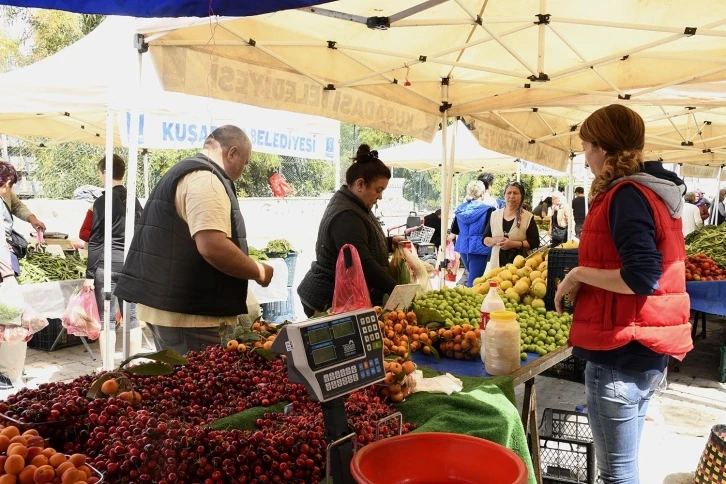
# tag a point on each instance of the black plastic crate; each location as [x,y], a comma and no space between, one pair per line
[43,340]
[570,369]
[559,263]
[279,311]
[567,453]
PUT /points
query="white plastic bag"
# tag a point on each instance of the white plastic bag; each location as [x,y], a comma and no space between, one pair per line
[447,383]
[12,304]
[419,271]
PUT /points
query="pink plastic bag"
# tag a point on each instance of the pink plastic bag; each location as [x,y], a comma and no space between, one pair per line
[32,321]
[81,316]
[351,290]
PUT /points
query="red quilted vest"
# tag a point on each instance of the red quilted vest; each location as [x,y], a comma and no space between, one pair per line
[604,320]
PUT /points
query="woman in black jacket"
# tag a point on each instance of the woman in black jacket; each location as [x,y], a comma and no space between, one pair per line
[348,220]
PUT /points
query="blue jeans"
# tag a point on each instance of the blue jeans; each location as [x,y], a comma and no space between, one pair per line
[475,265]
[616,403]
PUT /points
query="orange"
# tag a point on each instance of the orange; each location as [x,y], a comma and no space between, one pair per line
[56,459]
[86,470]
[470,335]
[61,469]
[125,396]
[232,345]
[465,345]
[401,315]
[426,350]
[267,346]
[241,348]
[18,449]
[4,443]
[71,476]
[396,397]
[109,387]
[8,479]
[14,464]
[39,461]
[44,475]
[396,368]
[411,316]
[10,432]
[448,334]
[78,460]
[26,475]
[409,367]
[390,378]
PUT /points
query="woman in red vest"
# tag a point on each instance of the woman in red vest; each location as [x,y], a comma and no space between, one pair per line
[632,309]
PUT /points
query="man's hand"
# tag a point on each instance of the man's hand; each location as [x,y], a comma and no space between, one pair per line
[569,286]
[37,224]
[88,285]
[266,273]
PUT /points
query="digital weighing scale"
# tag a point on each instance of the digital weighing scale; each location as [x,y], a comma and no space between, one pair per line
[334,356]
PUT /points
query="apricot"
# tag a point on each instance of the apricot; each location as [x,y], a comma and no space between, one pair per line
[44,475]
[56,459]
[110,387]
[14,465]
[77,460]
[26,476]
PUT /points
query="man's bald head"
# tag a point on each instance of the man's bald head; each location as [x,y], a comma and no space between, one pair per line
[232,148]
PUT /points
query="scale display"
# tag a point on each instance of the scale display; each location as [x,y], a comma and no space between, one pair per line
[334,355]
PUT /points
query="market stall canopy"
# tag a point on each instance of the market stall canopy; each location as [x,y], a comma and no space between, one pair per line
[164,8]
[526,72]
[468,154]
[65,98]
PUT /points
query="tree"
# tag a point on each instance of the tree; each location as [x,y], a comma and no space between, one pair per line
[43,32]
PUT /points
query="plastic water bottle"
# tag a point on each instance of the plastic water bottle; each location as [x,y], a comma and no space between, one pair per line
[493,302]
[581,409]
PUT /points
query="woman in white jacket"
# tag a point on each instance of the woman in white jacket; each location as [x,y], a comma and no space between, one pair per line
[691,216]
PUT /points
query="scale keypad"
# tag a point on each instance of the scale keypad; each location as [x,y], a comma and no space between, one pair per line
[372,338]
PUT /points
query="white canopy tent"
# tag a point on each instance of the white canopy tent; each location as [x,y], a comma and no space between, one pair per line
[469,154]
[525,72]
[90,89]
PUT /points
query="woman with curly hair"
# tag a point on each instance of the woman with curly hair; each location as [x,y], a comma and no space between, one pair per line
[632,310]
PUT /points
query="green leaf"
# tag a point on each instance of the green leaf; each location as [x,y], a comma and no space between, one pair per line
[251,336]
[434,352]
[95,390]
[433,326]
[267,354]
[400,376]
[427,315]
[165,356]
[244,324]
[223,334]
[150,369]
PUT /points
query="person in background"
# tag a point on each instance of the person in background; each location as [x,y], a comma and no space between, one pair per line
[578,210]
[16,208]
[187,267]
[348,219]
[704,206]
[543,208]
[433,220]
[559,221]
[10,355]
[488,180]
[471,217]
[691,217]
[511,231]
[96,267]
[721,214]
[629,289]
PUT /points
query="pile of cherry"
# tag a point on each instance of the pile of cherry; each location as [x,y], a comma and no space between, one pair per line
[165,438]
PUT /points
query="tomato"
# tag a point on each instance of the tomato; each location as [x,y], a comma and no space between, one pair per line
[705,266]
[689,277]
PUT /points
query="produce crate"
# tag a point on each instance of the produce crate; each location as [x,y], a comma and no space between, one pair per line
[567,453]
[559,263]
[290,260]
[279,311]
[43,340]
[570,369]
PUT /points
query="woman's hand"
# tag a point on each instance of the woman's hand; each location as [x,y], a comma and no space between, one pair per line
[509,244]
[451,237]
[87,285]
[397,239]
[569,286]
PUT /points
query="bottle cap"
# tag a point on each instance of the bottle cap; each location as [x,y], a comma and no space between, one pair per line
[503,315]
[493,284]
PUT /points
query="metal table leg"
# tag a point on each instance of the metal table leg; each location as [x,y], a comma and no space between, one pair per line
[57,338]
[529,421]
[88,348]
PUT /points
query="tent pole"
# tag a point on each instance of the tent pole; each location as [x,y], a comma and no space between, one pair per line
[452,173]
[110,350]
[714,210]
[145,152]
[131,190]
[519,170]
[570,197]
[4,142]
[444,200]
[541,38]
